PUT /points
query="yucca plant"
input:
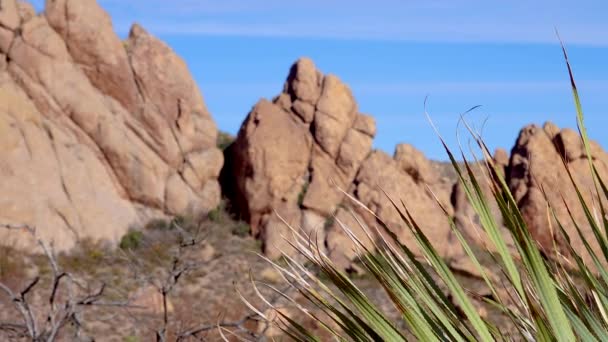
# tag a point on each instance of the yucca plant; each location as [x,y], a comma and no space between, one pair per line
[540,298]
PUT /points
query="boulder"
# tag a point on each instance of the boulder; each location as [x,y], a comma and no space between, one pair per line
[381,179]
[99,134]
[537,169]
[425,173]
[304,82]
[53,181]
[413,162]
[89,36]
[9,15]
[171,97]
[43,56]
[268,163]
[296,155]
[336,112]
[26,11]
[6,39]
[501,158]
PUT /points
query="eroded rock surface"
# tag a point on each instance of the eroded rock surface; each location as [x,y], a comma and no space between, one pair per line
[380,179]
[294,154]
[538,163]
[97,133]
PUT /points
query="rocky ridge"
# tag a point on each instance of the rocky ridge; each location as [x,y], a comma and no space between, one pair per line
[539,163]
[100,134]
[290,153]
[297,157]
[305,158]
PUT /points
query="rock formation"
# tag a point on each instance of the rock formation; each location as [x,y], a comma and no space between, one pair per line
[537,168]
[96,132]
[538,163]
[465,216]
[409,178]
[298,154]
[294,154]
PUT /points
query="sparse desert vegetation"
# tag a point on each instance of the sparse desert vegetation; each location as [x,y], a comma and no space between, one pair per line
[194,261]
[126,214]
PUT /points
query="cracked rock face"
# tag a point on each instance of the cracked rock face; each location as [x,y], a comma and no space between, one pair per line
[97,133]
[296,156]
[537,168]
[380,179]
[291,153]
[536,165]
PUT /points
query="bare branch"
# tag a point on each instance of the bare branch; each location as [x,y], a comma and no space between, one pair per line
[30,286]
[58,315]
[91,299]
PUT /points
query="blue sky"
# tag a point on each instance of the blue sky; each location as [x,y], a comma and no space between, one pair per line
[503,55]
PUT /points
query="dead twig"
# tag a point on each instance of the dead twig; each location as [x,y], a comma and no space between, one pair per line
[62,310]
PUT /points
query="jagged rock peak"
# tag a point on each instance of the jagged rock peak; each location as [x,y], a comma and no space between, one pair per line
[293,154]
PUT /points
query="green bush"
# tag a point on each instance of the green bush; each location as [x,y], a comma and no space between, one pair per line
[540,298]
[131,240]
[12,263]
[241,229]
[158,224]
[302,193]
[218,215]
[85,257]
[224,140]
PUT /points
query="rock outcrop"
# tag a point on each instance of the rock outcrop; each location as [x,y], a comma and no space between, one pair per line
[382,179]
[425,173]
[294,154]
[465,216]
[299,154]
[538,163]
[97,133]
[537,175]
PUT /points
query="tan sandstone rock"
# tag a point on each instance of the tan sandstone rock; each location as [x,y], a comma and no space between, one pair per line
[97,137]
[269,162]
[26,11]
[379,174]
[6,39]
[293,155]
[336,111]
[465,217]
[425,173]
[537,165]
[9,14]
[52,181]
[88,33]
[413,162]
[167,87]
